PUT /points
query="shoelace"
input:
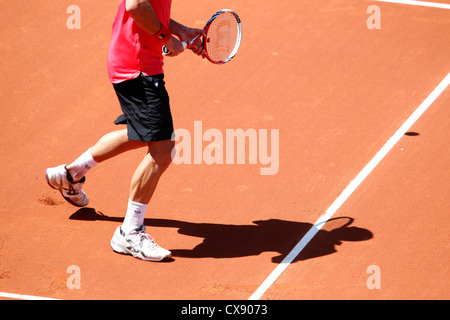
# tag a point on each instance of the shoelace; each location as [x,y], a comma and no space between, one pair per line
[77,187]
[74,189]
[145,240]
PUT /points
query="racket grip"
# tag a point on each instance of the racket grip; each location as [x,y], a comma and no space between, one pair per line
[166,51]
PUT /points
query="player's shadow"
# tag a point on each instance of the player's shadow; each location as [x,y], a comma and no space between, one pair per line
[231,241]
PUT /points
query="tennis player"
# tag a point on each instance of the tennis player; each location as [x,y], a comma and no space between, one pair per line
[135,68]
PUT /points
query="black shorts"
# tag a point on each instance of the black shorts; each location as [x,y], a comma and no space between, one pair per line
[146,110]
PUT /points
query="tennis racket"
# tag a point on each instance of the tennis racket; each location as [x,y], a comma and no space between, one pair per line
[223,37]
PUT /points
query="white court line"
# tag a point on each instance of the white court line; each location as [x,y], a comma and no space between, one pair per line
[419,3]
[350,189]
[22,296]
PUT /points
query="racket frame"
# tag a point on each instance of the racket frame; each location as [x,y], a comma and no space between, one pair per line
[238,40]
[188,44]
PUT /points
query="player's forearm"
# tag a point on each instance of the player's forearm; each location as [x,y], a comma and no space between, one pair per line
[176,28]
[143,14]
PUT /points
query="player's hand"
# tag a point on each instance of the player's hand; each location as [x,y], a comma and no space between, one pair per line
[175,47]
[197,46]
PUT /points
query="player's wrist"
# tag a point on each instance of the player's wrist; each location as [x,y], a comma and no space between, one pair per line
[182,31]
[163,34]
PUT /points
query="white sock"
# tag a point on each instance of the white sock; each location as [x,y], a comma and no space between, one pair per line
[82,165]
[134,217]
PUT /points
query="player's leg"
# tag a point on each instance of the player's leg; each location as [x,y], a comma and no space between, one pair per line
[149,171]
[110,145]
[130,238]
[144,182]
[69,179]
[113,144]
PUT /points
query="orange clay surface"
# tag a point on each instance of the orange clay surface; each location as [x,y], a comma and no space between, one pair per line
[336,91]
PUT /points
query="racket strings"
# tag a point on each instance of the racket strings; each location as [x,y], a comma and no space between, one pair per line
[223,35]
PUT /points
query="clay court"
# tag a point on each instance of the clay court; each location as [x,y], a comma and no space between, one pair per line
[333,222]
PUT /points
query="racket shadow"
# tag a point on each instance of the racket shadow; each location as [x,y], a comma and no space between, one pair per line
[232,241]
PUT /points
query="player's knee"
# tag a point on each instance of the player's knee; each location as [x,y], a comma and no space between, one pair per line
[163,159]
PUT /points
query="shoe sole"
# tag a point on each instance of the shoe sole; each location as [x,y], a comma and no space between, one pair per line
[59,189]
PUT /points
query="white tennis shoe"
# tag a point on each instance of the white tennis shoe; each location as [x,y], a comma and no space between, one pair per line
[57,178]
[138,244]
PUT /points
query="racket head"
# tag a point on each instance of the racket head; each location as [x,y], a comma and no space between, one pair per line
[223,36]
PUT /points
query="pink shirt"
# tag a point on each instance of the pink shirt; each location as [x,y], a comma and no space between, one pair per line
[133,50]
